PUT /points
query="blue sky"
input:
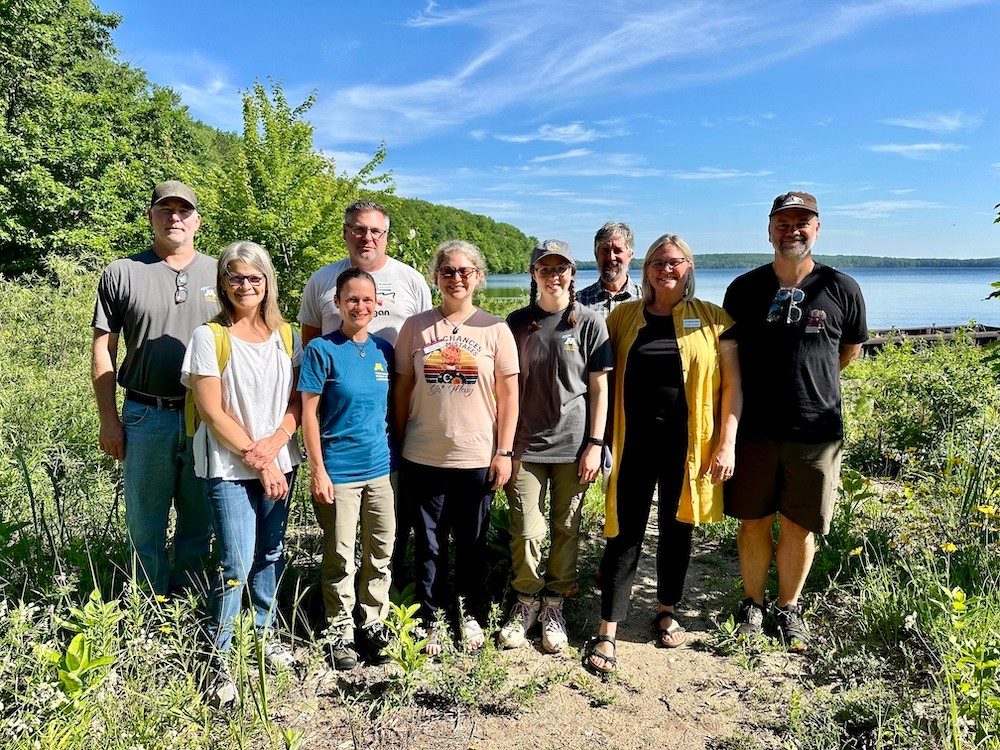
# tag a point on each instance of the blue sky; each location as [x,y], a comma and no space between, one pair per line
[682,117]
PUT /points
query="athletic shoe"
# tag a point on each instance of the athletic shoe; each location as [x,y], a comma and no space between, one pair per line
[554,637]
[374,639]
[749,617]
[523,616]
[222,692]
[792,628]
[278,657]
[341,653]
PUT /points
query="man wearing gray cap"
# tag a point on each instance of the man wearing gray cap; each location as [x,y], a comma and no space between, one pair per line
[154,300]
[798,324]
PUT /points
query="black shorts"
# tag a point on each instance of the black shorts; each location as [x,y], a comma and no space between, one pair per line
[797,480]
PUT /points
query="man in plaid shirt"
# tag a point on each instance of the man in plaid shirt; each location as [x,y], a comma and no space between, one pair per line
[614,247]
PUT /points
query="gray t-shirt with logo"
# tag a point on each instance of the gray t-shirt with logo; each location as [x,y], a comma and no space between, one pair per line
[399,291]
[556,362]
[135,297]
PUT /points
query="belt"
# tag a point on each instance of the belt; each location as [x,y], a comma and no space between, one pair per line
[160,402]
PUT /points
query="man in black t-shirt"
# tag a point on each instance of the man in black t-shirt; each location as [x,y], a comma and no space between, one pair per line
[798,324]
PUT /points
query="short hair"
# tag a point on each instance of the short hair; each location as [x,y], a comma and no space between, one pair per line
[613,229]
[349,274]
[452,247]
[677,241]
[361,207]
[257,258]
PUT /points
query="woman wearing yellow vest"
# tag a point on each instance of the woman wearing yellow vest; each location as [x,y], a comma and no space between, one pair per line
[676,402]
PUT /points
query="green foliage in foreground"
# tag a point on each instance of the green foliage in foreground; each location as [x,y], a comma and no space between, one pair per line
[905,592]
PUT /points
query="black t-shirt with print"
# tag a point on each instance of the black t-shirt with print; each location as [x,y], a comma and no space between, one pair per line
[789,347]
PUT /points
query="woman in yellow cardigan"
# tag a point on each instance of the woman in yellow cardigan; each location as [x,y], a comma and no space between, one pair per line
[676,402]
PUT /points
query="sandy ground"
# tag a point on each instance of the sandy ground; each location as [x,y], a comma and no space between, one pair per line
[687,698]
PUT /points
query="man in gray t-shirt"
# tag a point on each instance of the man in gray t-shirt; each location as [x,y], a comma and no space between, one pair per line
[154,300]
[400,291]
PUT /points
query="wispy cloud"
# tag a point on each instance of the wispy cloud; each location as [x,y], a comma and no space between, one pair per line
[582,54]
[716,173]
[902,191]
[753,121]
[574,153]
[575,132]
[879,209]
[916,150]
[937,122]
[995,167]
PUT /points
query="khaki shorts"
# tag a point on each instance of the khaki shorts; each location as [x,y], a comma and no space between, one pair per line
[797,480]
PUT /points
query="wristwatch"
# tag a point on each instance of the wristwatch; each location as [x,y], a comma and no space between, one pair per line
[595,441]
[506,454]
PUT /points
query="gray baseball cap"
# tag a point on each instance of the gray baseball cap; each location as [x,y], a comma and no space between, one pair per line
[546,248]
[173,189]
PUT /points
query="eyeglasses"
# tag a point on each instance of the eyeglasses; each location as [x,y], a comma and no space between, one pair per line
[181,293]
[450,273]
[237,281]
[168,213]
[546,271]
[359,232]
[792,296]
[671,263]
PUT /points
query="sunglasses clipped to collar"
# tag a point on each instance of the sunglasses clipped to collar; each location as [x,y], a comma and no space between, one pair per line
[786,305]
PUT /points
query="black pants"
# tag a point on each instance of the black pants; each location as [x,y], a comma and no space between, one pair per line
[455,500]
[653,456]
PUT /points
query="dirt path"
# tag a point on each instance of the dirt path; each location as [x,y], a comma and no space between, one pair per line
[688,698]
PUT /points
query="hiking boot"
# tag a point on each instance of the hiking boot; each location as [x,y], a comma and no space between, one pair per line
[278,657]
[375,639]
[749,617]
[523,616]
[222,692]
[792,628]
[554,637]
[341,653]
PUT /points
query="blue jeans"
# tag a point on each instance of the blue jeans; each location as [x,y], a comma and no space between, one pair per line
[250,530]
[158,469]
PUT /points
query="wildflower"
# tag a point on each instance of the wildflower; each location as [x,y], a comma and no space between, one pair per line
[910,622]
[987,510]
[161,598]
[166,629]
[948,547]
[233,583]
[412,233]
[856,551]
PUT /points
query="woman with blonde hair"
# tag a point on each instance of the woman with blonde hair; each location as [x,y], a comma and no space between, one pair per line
[455,402]
[241,368]
[677,400]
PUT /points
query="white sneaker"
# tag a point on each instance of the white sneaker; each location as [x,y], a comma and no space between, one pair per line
[554,637]
[222,693]
[523,616]
[278,657]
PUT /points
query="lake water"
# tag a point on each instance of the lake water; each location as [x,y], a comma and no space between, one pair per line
[895,297]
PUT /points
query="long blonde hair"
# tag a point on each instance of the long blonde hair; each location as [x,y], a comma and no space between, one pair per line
[677,241]
[257,258]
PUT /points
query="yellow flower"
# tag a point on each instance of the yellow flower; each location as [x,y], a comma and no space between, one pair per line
[856,551]
[233,583]
[161,598]
[987,510]
[948,547]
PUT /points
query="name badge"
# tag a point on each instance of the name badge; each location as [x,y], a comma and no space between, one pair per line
[434,347]
[692,322]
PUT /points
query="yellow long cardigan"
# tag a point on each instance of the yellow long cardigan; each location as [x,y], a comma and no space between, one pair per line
[698,325]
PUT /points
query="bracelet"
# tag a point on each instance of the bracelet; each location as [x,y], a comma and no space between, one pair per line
[594,441]
[282,428]
[506,454]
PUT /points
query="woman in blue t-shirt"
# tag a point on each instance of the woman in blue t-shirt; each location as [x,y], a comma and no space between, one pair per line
[345,400]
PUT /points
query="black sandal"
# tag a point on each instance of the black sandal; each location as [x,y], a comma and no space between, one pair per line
[610,662]
[676,632]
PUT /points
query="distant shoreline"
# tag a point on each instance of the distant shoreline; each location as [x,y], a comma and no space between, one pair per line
[751,260]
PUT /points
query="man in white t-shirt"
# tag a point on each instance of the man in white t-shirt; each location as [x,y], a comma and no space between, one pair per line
[399,290]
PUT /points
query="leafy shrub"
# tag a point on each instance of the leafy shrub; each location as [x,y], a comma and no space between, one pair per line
[899,404]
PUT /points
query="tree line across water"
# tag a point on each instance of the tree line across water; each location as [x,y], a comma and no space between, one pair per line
[752,260]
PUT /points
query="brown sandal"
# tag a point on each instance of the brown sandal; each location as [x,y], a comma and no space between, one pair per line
[669,637]
[610,662]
